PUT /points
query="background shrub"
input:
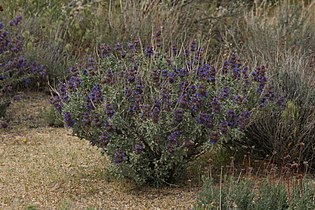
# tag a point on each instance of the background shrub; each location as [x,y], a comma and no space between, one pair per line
[286,34]
[247,193]
[16,72]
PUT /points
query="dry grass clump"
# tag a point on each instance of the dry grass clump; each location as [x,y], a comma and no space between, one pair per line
[50,169]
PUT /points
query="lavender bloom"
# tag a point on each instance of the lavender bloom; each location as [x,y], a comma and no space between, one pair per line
[67,117]
[149,51]
[110,110]
[132,109]
[173,137]
[183,101]
[157,104]
[56,102]
[174,49]
[108,127]
[62,89]
[224,127]
[155,115]
[212,73]
[73,83]
[88,103]
[263,102]
[214,137]
[178,115]
[104,50]
[262,79]
[16,21]
[182,73]
[109,77]
[202,90]
[139,147]
[269,93]
[172,141]
[136,96]
[202,72]
[239,99]
[192,89]
[127,92]
[236,73]
[205,119]
[260,88]
[96,121]
[281,102]
[224,93]
[26,81]
[86,120]
[193,46]
[216,107]
[104,139]
[225,67]
[157,38]
[245,70]
[74,71]
[231,117]
[164,73]
[244,119]
[171,77]
[255,75]
[96,94]
[145,111]
[195,102]
[186,53]
[232,58]
[119,156]
[131,75]
[1,25]
[21,62]
[117,46]
[155,77]
[131,46]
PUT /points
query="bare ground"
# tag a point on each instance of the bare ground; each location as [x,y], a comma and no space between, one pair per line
[48,168]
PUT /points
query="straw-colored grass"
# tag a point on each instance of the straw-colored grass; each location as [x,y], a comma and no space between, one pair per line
[50,169]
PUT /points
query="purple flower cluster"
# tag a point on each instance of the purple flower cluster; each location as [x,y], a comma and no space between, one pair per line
[119,156]
[96,94]
[67,117]
[173,141]
[103,140]
[63,94]
[16,20]
[110,110]
[16,71]
[139,147]
[56,102]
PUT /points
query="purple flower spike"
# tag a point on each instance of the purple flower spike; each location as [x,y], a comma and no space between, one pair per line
[178,115]
[215,105]
[139,147]
[110,110]
[68,119]
[214,137]
[119,156]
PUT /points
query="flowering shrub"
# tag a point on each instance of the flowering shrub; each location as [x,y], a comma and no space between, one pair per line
[152,111]
[15,70]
